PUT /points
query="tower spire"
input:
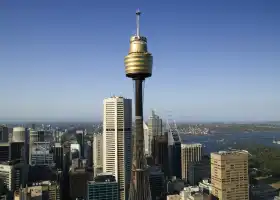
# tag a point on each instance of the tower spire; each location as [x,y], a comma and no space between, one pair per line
[138,13]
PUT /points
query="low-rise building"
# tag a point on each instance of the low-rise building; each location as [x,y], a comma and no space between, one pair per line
[205,186]
[103,187]
[263,192]
[173,197]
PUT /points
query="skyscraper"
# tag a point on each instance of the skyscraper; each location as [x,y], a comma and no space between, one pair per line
[155,129]
[160,153]
[4,133]
[146,139]
[80,135]
[155,124]
[117,130]
[174,154]
[89,156]
[229,175]
[58,155]
[189,153]
[138,66]
[97,152]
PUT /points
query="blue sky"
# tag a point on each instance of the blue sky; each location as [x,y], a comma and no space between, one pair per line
[213,60]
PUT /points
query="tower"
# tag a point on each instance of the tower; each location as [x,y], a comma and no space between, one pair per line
[117,130]
[138,66]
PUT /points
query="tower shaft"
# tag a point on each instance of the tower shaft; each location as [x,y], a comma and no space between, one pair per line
[139,139]
[139,187]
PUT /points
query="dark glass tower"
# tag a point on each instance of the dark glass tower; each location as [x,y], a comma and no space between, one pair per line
[89,156]
[138,66]
[159,152]
[64,184]
[174,158]
[81,141]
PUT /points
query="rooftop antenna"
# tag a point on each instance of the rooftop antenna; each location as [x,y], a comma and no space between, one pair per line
[138,13]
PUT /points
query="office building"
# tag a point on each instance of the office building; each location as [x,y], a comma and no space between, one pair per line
[33,136]
[156,178]
[4,151]
[41,154]
[78,179]
[155,124]
[80,135]
[19,145]
[147,139]
[13,174]
[6,174]
[89,156]
[160,152]
[41,135]
[155,129]
[229,175]
[97,152]
[4,134]
[42,173]
[103,187]
[17,151]
[189,153]
[58,155]
[44,190]
[75,150]
[198,171]
[65,180]
[117,128]
[19,134]
[174,153]
[33,126]
[263,191]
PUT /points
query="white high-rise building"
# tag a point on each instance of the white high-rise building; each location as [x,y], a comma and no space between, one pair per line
[147,139]
[154,129]
[117,133]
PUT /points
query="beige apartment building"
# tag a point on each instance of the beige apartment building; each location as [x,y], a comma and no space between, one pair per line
[229,175]
[97,152]
[189,153]
[117,133]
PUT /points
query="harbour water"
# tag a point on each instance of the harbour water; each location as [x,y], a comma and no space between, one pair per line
[222,141]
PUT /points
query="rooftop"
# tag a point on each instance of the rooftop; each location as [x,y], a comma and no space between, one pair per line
[232,152]
[11,162]
[4,144]
[104,178]
[188,145]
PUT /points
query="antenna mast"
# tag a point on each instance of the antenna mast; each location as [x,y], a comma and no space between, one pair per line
[138,13]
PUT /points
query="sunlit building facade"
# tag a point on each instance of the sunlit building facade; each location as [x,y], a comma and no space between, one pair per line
[229,175]
[117,131]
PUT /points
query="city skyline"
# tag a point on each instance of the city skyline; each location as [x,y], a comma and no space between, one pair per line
[213,61]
